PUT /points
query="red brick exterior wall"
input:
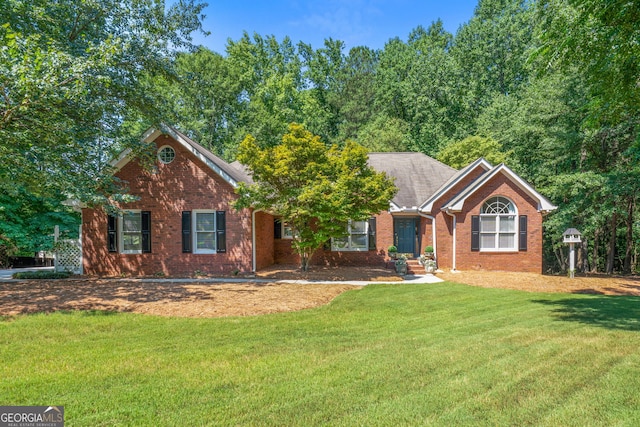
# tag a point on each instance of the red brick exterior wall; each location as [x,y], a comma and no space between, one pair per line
[184,184]
[188,184]
[265,242]
[527,261]
[325,256]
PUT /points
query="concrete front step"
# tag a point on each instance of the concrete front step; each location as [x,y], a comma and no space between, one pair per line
[413,266]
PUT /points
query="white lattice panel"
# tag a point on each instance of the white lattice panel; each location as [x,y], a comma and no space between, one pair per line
[69,256]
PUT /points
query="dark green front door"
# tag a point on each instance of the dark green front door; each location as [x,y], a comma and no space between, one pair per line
[405,235]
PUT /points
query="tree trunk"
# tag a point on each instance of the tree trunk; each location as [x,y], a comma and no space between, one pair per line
[612,244]
[559,253]
[583,257]
[305,259]
[629,222]
[594,258]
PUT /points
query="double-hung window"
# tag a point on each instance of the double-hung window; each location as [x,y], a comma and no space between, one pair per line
[130,233]
[204,231]
[498,226]
[356,238]
[204,226]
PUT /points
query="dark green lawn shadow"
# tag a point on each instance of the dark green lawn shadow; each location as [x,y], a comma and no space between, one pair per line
[611,312]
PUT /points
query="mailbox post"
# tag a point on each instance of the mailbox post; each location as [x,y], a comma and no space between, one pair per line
[572,236]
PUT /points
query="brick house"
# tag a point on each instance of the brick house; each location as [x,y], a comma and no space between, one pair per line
[481,217]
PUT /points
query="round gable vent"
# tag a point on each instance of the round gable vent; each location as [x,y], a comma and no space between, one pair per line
[166,154]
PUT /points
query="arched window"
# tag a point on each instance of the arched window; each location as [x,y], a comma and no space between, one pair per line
[498,227]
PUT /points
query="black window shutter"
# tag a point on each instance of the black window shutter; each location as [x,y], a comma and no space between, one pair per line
[523,233]
[372,234]
[221,231]
[145,216]
[186,231]
[277,228]
[112,233]
[475,232]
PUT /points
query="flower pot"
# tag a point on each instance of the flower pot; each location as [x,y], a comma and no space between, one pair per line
[401,269]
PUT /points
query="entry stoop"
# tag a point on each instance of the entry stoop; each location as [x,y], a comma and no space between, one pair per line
[414,267]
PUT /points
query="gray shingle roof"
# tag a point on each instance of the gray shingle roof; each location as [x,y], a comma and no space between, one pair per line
[417,175]
[238,175]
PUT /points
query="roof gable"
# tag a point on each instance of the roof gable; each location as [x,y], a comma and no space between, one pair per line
[456,204]
[480,163]
[226,171]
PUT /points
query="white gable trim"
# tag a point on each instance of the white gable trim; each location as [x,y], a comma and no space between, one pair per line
[427,206]
[200,155]
[151,135]
[456,204]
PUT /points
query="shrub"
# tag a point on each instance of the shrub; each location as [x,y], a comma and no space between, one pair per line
[41,275]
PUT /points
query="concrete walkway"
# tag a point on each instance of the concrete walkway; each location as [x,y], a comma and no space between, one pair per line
[5,276]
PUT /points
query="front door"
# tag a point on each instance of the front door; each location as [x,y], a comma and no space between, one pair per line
[405,235]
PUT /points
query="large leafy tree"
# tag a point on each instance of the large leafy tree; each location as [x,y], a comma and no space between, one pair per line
[71,73]
[77,82]
[461,153]
[601,38]
[316,190]
[27,221]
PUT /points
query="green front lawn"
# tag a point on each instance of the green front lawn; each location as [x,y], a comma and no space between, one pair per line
[441,354]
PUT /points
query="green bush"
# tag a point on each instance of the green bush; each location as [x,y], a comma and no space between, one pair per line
[41,275]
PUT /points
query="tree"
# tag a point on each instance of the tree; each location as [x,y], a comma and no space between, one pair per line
[71,73]
[27,221]
[316,190]
[460,154]
[601,38]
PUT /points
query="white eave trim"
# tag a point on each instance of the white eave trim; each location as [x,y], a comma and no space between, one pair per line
[427,206]
[205,159]
[121,160]
[393,208]
[152,134]
[457,203]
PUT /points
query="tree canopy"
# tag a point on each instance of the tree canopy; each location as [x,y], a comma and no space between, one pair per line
[553,84]
[315,190]
[78,83]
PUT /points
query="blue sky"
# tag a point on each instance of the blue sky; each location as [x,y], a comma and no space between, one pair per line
[356,22]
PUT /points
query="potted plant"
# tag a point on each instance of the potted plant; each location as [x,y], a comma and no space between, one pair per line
[392,251]
[428,261]
[430,266]
[428,252]
[401,265]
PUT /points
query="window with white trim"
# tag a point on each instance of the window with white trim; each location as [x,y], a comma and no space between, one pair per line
[282,229]
[498,226]
[357,238]
[131,232]
[204,231]
[166,154]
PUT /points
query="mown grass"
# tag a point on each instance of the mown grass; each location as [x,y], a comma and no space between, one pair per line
[443,354]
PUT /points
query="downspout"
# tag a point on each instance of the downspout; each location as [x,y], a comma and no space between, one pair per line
[254,260]
[453,262]
[433,231]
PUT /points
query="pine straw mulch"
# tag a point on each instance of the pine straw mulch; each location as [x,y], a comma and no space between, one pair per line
[199,299]
[581,284]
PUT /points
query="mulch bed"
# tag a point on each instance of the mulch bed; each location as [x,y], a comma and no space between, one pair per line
[198,299]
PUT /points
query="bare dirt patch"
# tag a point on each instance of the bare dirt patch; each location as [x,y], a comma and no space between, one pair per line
[592,284]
